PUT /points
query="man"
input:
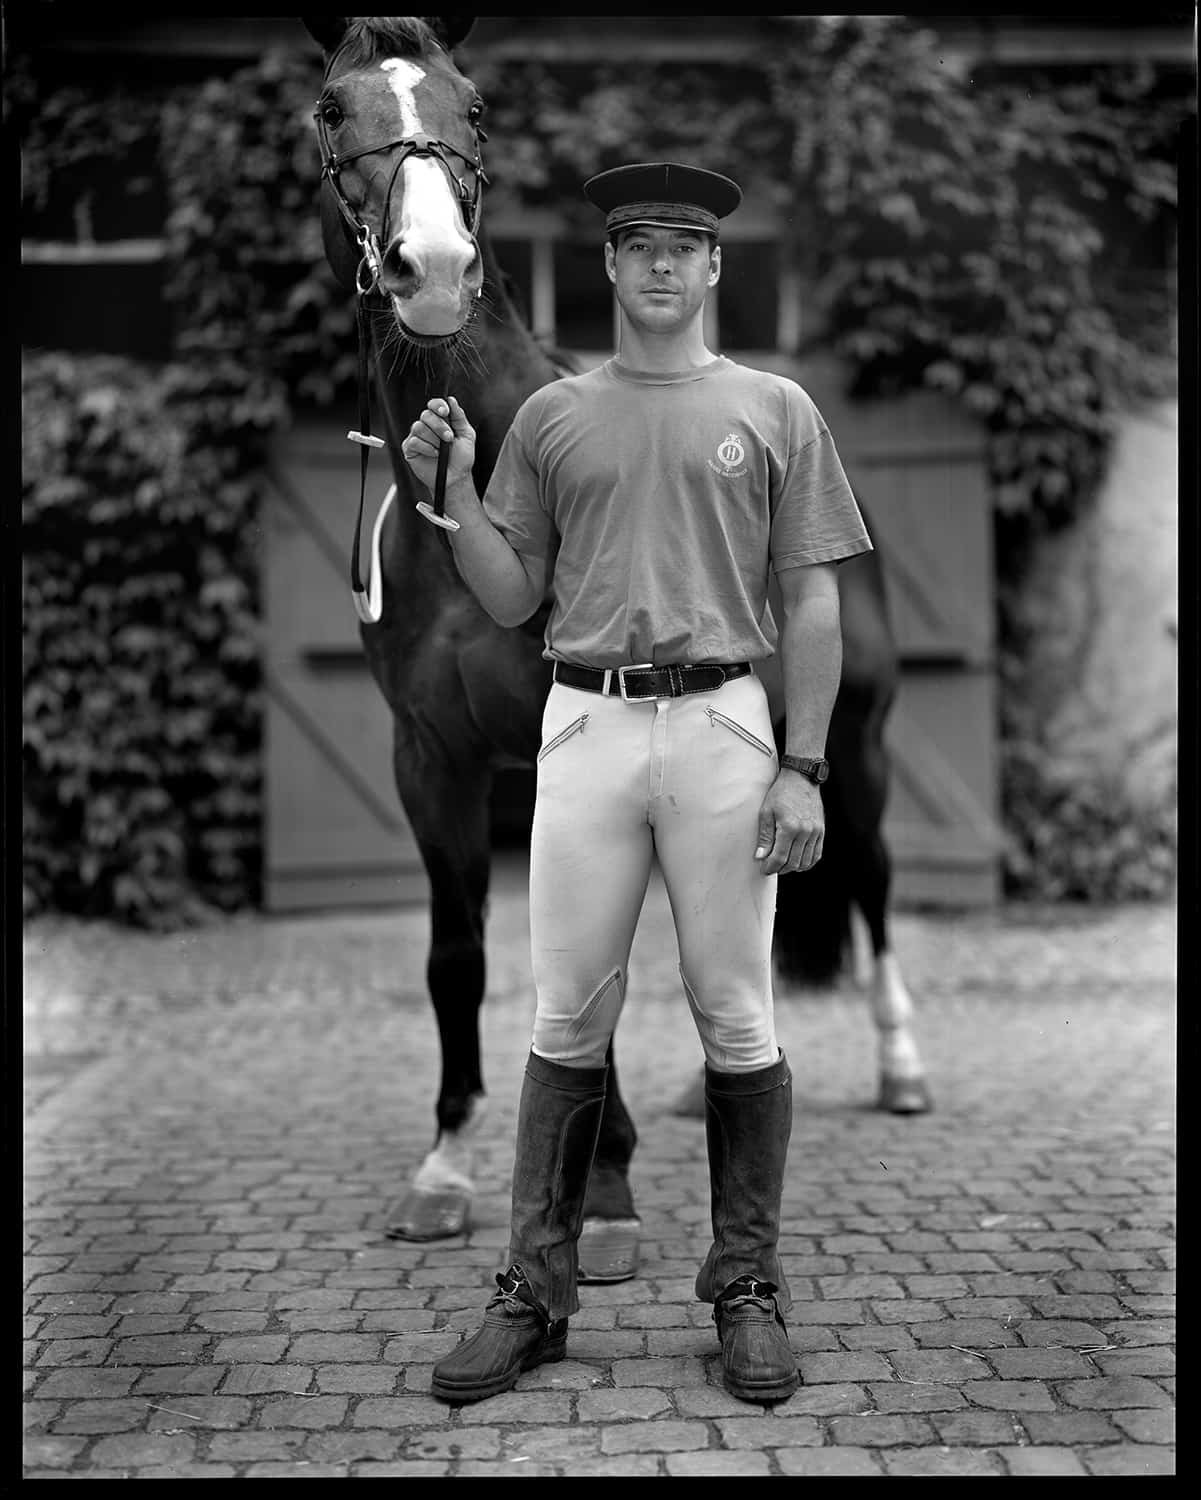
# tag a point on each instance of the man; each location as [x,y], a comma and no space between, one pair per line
[653,498]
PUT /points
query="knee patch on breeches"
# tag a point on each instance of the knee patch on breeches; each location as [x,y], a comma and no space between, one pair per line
[733,1043]
[580,1039]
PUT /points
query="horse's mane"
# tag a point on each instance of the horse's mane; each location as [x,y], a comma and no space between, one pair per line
[369,38]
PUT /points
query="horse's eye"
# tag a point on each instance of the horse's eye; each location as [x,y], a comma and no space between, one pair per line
[331,113]
[476,113]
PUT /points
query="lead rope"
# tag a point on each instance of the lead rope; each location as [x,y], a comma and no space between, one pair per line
[366,442]
[368,601]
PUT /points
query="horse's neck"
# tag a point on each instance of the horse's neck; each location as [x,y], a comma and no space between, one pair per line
[490,378]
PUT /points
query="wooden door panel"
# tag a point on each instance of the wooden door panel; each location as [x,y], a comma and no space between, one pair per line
[931,522]
[942,752]
[917,465]
[308,599]
[941,822]
[335,833]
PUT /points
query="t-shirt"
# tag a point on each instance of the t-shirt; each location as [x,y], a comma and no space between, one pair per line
[662,504]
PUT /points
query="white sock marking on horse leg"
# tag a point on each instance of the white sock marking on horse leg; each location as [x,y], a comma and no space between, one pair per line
[450,1164]
[892,1011]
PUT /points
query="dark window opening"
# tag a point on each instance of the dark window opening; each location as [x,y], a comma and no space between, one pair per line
[583,296]
[97,309]
[748,295]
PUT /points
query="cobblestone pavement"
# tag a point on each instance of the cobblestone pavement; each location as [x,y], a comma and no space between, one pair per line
[218,1121]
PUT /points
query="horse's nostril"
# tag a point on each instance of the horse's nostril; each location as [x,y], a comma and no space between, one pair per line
[402,271]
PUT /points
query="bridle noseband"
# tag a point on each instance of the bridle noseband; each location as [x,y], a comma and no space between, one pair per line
[368,274]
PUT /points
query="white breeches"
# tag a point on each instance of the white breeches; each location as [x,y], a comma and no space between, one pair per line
[619,784]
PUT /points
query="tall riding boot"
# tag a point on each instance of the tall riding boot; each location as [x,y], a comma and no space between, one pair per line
[525,1323]
[748,1120]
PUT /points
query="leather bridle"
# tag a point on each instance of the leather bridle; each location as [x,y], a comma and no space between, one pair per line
[368,274]
[471,199]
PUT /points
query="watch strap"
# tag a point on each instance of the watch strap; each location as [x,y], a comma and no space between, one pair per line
[814,770]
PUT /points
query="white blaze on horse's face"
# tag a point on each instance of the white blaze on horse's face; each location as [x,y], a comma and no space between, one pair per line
[432,266]
[403,77]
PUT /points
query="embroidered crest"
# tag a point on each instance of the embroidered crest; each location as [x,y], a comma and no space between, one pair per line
[730,457]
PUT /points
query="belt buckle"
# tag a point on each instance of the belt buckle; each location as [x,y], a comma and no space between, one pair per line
[642,666]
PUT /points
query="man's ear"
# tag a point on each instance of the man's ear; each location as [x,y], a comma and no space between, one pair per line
[715,265]
[610,261]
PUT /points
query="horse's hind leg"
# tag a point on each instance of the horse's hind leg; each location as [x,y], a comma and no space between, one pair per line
[855,827]
[609,1243]
[450,822]
[903,1087]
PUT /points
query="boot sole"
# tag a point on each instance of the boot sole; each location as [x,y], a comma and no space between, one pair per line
[763,1393]
[549,1354]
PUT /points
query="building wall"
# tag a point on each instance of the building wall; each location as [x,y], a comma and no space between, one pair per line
[95,284]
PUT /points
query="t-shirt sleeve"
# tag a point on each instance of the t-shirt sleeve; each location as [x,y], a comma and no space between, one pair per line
[513,499]
[814,515]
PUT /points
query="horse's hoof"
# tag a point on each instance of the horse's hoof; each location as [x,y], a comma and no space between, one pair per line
[904,1096]
[691,1103]
[608,1249]
[429,1214]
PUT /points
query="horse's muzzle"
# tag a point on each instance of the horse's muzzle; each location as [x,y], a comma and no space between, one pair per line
[432,292]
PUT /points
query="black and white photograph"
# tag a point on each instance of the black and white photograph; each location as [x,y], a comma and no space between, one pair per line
[600,720]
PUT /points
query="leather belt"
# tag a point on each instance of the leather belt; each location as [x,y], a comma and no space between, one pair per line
[648,681]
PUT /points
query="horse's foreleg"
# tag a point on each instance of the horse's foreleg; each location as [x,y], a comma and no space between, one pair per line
[609,1247]
[453,834]
[439,1198]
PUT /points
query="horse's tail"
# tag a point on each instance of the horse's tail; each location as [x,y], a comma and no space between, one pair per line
[813,935]
[812,939]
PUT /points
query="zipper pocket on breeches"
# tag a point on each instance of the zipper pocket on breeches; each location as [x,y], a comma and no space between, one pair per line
[752,739]
[575,727]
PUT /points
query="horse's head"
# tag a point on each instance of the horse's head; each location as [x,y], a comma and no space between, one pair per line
[402,177]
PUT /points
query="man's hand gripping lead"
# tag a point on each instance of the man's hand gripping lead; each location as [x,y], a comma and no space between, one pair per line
[442,420]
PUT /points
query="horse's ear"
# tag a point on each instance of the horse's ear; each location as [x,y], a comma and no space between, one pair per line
[450,30]
[326,31]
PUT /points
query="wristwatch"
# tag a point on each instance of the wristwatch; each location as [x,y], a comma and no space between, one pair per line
[815,771]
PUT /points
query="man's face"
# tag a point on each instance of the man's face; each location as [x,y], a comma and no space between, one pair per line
[662,275]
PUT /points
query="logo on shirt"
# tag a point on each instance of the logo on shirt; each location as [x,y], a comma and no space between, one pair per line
[730,457]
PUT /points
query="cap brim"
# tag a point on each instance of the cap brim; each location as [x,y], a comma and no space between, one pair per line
[662,224]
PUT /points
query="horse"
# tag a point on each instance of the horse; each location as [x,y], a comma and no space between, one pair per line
[402,180]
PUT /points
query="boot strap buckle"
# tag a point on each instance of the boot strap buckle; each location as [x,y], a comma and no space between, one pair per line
[748,1286]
